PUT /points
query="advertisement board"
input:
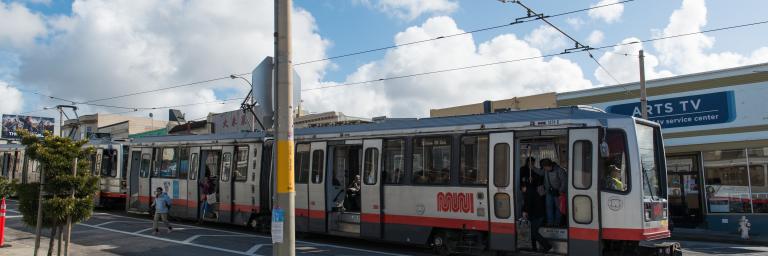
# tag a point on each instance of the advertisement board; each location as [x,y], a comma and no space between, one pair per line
[692,110]
[35,124]
[232,122]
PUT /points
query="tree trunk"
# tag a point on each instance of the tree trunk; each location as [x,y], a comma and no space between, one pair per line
[60,236]
[50,241]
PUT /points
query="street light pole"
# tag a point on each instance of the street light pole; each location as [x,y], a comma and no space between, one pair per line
[284,83]
[643,95]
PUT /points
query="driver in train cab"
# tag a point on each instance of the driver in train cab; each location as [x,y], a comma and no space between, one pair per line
[613,181]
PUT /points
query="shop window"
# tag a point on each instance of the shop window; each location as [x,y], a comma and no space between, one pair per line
[727,181]
[318,159]
[301,164]
[394,165]
[432,160]
[501,165]
[758,161]
[371,166]
[474,160]
[582,164]
[241,164]
[616,167]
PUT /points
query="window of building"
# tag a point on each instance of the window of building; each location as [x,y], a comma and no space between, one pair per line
[371,166]
[109,163]
[501,165]
[394,164]
[616,166]
[318,159]
[301,164]
[582,164]
[473,166]
[146,161]
[241,164]
[726,179]
[183,163]
[227,163]
[168,165]
[432,160]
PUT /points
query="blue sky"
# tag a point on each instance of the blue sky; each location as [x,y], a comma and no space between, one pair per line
[91,49]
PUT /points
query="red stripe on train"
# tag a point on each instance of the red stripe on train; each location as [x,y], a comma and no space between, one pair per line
[114,195]
[314,214]
[583,234]
[436,222]
[632,234]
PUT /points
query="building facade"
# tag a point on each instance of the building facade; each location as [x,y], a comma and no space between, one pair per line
[118,126]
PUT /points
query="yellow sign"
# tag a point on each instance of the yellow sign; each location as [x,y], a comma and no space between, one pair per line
[285,166]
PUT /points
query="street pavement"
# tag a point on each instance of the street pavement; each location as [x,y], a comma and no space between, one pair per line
[114,233]
[110,233]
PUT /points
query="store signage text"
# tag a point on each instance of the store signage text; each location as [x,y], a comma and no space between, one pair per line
[701,109]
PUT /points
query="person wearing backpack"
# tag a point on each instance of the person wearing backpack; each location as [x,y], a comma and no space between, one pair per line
[161,204]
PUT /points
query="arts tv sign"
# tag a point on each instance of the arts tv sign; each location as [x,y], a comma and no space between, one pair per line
[693,110]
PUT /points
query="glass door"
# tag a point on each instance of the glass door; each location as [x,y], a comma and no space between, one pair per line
[685,207]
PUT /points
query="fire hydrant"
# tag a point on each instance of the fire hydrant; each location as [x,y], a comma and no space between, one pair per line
[744,227]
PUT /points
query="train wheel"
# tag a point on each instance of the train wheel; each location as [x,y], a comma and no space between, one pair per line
[443,244]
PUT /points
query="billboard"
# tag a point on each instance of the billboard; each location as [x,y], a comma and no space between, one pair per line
[34,124]
[689,110]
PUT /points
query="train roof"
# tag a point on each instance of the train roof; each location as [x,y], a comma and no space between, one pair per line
[562,113]
[202,137]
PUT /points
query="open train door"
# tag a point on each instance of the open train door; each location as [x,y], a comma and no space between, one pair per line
[370,199]
[583,200]
[133,181]
[145,190]
[500,187]
[317,206]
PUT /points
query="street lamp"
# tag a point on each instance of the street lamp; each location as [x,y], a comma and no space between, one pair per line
[246,105]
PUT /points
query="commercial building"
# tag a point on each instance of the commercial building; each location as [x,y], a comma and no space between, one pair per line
[327,118]
[715,126]
[118,126]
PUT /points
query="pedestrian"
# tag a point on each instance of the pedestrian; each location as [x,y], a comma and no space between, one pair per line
[161,204]
[533,210]
[555,184]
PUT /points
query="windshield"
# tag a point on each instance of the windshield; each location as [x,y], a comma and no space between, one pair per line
[647,146]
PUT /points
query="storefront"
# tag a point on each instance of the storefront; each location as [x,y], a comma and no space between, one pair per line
[715,126]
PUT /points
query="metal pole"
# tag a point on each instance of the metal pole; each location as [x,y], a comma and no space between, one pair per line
[61,118]
[284,86]
[39,223]
[643,95]
[69,216]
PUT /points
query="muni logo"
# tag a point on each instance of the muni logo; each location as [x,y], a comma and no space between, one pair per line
[455,202]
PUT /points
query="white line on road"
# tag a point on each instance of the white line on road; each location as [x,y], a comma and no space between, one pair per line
[142,231]
[166,240]
[254,249]
[198,236]
[118,221]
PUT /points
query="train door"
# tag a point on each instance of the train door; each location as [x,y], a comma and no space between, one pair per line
[502,226]
[225,184]
[192,183]
[301,178]
[243,196]
[145,191]
[583,199]
[317,210]
[133,182]
[344,219]
[370,196]
[211,167]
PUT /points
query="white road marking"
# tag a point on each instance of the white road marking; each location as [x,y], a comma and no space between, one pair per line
[166,239]
[254,249]
[198,236]
[117,221]
[143,230]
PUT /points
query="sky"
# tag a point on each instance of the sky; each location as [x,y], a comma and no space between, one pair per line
[79,51]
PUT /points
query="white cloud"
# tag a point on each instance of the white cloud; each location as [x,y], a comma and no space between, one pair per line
[692,53]
[19,26]
[108,48]
[546,38]
[43,2]
[411,9]
[12,99]
[622,62]
[416,95]
[609,14]
[576,23]
[596,37]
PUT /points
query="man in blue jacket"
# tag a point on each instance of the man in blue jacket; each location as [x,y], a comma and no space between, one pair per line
[162,203]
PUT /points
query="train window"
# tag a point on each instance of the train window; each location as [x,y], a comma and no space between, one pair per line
[195,166]
[317,166]
[582,209]
[168,163]
[474,160]
[371,166]
[432,160]
[501,206]
[501,165]
[301,164]
[394,150]
[146,161]
[615,167]
[582,164]
[183,163]
[241,165]
[109,163]
[124,170]
[227,163]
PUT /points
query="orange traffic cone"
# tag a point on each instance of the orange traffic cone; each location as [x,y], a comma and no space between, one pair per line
[2,223]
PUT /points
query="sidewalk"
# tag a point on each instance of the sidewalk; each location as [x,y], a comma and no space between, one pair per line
[22,242]
[691,234]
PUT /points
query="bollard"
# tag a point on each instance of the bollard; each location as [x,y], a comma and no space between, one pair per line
[2,223]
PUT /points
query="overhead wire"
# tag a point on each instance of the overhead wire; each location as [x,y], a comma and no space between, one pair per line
[534,57]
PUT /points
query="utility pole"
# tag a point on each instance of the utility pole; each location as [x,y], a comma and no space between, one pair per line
[643,95]
[284,83]
[61,118]
[69,217]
